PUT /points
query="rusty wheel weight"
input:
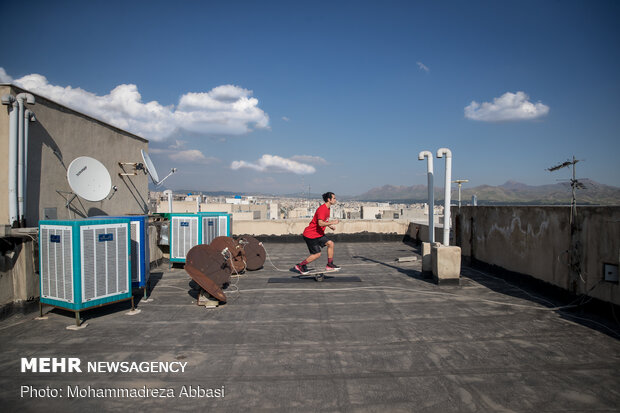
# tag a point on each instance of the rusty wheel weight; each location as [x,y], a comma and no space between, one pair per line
[208,267]
[254,252]
[236,252]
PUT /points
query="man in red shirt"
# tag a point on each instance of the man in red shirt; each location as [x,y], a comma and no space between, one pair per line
[315,238]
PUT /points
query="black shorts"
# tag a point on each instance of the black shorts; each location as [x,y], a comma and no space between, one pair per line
[315,244]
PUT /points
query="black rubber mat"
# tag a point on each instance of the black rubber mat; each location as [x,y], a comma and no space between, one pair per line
[327,279]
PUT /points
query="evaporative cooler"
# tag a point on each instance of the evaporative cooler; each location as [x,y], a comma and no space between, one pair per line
[214,224]
[84,263]
[189,230]
[140,252]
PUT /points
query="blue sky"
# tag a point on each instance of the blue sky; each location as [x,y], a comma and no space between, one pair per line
[275,96]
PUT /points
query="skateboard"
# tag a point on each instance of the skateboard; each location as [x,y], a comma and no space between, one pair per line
[318,275]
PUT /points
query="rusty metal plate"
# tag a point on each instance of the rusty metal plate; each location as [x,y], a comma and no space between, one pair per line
[209,268]
[254,252]
[237,254]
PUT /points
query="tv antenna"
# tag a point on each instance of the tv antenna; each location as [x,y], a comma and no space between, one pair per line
[150,168]
[88,179]
[574,183]
[460,182]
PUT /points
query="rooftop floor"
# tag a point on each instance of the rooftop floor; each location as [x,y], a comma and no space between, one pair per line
[394,342]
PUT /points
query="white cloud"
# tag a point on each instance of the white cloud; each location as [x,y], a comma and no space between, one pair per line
[316,160]
[192,156]
[224,110]
[4,77]
[509,106]
[285,119]
[178,144]
[422,66]
[268,162]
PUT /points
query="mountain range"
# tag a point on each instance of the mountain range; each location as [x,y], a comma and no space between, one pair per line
[510,192]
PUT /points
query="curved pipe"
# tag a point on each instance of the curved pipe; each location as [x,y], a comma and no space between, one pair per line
[431,196]
[446,209]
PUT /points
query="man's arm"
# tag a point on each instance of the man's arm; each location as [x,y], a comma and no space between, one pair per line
[330,224]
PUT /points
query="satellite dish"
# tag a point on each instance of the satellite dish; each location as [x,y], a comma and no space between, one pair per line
[150,168]
[89,179]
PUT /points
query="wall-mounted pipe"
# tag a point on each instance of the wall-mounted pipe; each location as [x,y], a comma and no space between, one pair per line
[28,117]
[21,154]
[11,102]
[431,193]
[446,209]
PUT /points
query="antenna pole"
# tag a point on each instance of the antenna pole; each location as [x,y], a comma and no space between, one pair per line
[573,209]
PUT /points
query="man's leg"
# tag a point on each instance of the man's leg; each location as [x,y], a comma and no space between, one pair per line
[312,257]
[330,257]
[330,250]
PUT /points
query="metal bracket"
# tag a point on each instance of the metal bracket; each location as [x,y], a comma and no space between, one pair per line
[137,166]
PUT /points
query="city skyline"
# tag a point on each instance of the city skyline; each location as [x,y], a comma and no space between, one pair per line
[335,95]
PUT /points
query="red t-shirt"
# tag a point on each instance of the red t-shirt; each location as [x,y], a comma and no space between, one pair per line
[314,230]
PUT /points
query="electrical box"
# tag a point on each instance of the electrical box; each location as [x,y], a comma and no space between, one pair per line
[611,273]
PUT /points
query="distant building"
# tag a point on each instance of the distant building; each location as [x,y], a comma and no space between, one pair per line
[274,211]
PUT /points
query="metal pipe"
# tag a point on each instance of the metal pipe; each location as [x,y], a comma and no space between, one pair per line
[28,117]
[446,209]
[197,203]
[170,201]
[20,162]
[431,193]
[10,101]
[21,150]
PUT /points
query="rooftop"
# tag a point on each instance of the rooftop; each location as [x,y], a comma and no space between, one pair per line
[393,342]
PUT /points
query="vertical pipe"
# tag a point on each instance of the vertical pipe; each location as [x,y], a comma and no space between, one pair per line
[431,194]
[446,209]
[170,201]
[21,154]
[20,160]
[197,203]
[12,175]
[28,116]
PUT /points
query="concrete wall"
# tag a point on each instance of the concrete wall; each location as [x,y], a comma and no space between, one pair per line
[18,280]
[419,231]
[296,227]
[58,136]
[537,241]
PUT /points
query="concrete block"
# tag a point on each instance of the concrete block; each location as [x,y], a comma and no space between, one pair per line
[446,263]
[427,261]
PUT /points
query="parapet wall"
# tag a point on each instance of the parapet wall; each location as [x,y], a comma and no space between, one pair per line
[280,227]
[539,241]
